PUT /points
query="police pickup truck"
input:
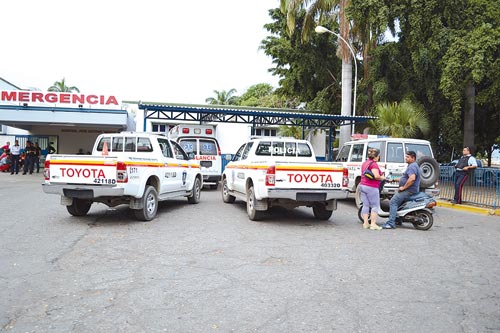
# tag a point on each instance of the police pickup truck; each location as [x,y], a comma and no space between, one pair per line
[137,169]
[275,171]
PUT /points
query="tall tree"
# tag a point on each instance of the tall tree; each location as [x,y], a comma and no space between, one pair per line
[307,71]
[223,97]
[60,86]
[318,12]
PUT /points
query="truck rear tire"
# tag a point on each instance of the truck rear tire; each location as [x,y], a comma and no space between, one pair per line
[194,198]
[253,214]
[79,207]
[321,213]
[150,205]
[226,197]
[357,197]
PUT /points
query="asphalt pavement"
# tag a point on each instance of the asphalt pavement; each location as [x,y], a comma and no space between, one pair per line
[207,268]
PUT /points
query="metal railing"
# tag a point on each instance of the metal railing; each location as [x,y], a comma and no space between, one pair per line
[481,188]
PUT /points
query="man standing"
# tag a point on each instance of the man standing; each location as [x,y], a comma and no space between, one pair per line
[29,161]
[409,184]
[466,163]
[15,152]
[38,153]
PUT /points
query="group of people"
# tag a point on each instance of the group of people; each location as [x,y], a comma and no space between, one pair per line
[409,184]
[14,159]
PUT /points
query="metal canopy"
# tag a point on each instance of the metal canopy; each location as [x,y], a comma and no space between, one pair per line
[255,116]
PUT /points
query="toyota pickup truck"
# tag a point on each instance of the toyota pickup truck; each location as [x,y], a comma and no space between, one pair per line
[136,169]
[275,171]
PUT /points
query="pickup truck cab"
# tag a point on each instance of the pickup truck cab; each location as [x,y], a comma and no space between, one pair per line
[392,162]
[137,169]
[275,171]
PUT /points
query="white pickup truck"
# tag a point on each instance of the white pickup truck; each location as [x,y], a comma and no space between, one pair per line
[274,171]
[137,169]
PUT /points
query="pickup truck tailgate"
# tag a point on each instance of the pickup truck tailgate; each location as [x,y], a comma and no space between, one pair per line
[76,169]
[309,175]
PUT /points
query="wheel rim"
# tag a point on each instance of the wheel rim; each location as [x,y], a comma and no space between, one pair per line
[251,200]
[224,188]
[197,190]
[425,220]
[150,204]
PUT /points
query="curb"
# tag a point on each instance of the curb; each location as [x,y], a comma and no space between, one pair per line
[469,208]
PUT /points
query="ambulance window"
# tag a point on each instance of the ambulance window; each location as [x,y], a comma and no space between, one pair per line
[189,145]
[237,156]
[263,149]
[208,147]
[144,145]
[165,148]
[278,148]
[117,144]
[303,150]
[244,155]
[106,139]
[178,152]
[130,144]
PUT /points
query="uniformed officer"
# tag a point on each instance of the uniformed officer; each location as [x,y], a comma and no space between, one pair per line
[466,163]
[29,161]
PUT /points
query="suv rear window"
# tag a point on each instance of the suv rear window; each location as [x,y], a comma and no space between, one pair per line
[421,150]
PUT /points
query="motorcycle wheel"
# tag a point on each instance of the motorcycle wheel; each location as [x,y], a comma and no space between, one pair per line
[360,217]
[425,218]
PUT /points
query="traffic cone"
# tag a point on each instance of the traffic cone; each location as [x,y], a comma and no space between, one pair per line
[105,149]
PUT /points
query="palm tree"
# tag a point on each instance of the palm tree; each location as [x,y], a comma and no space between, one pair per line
[60,86]
[223,98]
[322,10]
[400,120]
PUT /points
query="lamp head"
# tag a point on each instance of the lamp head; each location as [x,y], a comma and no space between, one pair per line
[320,29]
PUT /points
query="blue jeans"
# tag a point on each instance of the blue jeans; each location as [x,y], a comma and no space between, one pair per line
[396,201]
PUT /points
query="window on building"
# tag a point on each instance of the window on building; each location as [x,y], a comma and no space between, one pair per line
[265,132]
[159,128]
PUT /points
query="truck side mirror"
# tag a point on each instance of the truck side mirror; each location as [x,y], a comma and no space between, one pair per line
[191,155]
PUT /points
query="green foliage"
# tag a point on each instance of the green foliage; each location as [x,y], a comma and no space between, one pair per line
[255,95]
[400,120]
[305,69]
[223,98]
[60,86]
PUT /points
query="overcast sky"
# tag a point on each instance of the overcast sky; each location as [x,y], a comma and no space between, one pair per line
[154,51]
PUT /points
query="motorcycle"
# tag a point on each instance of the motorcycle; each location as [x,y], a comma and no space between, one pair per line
[417,210]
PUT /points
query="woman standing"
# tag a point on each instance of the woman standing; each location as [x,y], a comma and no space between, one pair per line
[369,189]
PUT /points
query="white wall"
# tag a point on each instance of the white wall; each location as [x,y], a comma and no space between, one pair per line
[232,136]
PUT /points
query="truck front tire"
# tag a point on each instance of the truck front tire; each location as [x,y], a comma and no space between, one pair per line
[149,205]
[79,207]
[226,197]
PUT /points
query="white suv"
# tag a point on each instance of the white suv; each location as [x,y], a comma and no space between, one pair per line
[392,161]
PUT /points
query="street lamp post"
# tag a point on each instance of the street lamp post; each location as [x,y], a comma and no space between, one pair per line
[320,30]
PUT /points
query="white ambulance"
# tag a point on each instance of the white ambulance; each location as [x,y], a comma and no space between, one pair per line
[200,140]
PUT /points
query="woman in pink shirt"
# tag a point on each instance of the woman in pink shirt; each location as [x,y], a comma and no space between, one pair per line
[369,189]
